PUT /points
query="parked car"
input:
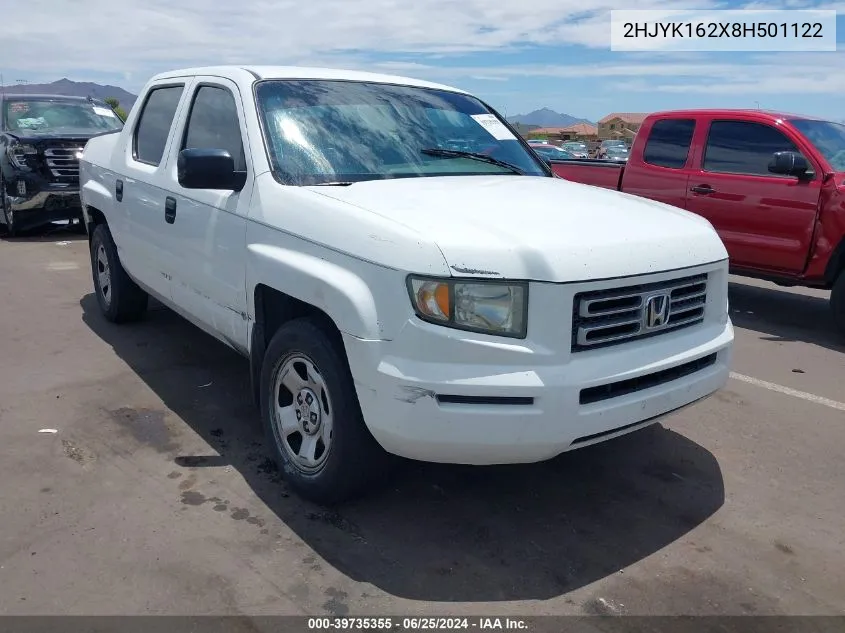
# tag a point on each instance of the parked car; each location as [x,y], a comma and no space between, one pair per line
[772,184]
[601,150]
[41,137]
[395,296]
[576,148]
[551,152]
[548,151]
[616,152]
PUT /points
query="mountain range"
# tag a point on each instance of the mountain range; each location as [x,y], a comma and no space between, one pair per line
[76,89]
[546,117]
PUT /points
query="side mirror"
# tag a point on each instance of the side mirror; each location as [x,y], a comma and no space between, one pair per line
[208,169]
[789,164]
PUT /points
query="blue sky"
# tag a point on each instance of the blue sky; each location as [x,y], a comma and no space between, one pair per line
[519,57]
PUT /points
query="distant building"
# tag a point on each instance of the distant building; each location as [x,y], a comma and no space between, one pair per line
[577,132]
[620,125]
[522,128]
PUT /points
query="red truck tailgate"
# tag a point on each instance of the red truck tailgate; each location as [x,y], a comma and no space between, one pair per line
[597,173]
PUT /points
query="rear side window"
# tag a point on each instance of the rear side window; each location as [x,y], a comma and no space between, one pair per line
[213,124]
[154,123]
[743,147]
[669,142]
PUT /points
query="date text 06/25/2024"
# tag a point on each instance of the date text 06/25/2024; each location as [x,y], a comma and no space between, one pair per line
[416,624]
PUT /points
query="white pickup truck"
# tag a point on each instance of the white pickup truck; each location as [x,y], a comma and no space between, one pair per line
[405,274]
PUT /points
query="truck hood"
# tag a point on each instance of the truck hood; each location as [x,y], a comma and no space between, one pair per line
[49,137]
[535,228]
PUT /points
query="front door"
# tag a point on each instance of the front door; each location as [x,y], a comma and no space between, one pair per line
[208,226]
[765,220]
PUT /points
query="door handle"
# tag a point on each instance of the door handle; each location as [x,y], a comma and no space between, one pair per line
[170,210]
[705,189]
[118,190]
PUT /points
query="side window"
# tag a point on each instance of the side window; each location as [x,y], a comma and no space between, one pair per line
[742,147]
[669,142]
[213,124]
[154,123]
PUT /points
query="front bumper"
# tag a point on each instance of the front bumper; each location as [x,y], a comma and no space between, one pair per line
[440,395]
[44,205]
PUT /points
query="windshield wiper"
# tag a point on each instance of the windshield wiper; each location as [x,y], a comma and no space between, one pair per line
[334,183]
[455,153]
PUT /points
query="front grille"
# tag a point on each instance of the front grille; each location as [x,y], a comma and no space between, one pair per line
[609,317]
[62,162]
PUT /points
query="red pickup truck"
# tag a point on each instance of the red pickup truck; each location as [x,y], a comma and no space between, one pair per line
[771,184]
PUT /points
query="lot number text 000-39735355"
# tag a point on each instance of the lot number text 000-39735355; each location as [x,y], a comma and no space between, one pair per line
[422,623]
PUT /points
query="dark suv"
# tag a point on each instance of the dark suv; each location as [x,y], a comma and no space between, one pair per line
[41,139]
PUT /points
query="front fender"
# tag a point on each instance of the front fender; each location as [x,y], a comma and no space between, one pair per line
[353,293]
[93,191]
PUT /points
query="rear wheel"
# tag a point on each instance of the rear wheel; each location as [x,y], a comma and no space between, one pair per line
[119,297]
[837,302]
[312,417]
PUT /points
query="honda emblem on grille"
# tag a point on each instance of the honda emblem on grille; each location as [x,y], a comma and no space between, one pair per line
[656,311]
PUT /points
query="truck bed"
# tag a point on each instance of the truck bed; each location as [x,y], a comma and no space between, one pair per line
[591,171]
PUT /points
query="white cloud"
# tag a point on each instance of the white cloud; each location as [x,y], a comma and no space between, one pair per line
[143,37]
[808,73]
[134,40]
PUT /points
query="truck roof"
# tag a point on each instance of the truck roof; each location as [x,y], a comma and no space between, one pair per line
[718,112]
[301,72]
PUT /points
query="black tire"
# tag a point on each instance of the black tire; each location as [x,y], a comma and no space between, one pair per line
[354,461]
[10,227]
[121,299]
[837,302]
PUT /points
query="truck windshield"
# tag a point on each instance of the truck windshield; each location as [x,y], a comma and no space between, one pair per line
[828,138]
[338,132]
[33,117]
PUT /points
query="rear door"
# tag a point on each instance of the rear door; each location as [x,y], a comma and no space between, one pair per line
[141,189]
[208,228]
[659,168]
[765,220]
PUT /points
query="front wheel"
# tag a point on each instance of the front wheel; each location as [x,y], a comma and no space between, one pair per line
[837,302]
[5,209]
[312,417]
[119,297]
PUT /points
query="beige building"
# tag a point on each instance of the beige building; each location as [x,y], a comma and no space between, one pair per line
[577,132]
[620,125]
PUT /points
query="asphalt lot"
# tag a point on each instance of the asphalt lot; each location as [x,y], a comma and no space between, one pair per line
[155,496]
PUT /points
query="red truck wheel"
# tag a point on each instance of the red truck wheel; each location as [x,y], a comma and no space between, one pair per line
[837,302]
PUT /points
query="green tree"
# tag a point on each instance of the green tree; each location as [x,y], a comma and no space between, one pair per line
[115,105]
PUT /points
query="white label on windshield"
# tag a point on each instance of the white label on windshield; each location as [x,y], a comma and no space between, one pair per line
[495,127]
[103,112]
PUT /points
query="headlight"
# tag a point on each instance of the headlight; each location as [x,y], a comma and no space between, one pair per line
[18,154]
[491,307]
